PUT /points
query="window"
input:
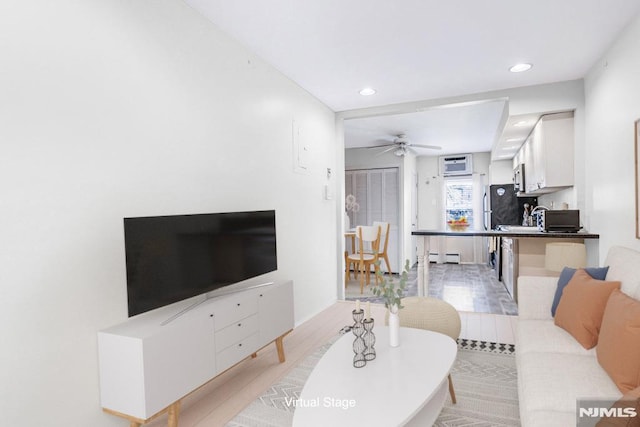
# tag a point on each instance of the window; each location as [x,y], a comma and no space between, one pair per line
[459,199]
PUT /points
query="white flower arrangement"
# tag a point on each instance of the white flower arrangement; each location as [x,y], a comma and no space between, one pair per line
[351,204]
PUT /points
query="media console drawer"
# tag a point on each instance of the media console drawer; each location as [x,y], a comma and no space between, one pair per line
[234,309]
[237,331]
[238,351]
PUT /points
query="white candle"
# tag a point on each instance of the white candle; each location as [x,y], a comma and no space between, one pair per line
[368,316]
[357,305]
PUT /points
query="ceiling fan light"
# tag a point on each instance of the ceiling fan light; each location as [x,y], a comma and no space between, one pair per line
[400,151]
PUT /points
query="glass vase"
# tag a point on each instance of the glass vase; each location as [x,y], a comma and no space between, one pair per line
[394,327]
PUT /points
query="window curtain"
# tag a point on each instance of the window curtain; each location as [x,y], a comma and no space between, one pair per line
[478,195]
[480,244]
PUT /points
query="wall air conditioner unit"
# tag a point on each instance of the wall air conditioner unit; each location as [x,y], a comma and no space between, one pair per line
[459,164]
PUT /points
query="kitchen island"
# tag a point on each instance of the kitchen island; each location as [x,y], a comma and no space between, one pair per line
[531,246]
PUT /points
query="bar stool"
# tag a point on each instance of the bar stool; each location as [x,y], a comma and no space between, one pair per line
[559,255]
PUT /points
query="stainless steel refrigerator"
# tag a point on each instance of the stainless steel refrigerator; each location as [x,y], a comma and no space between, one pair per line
[502,207]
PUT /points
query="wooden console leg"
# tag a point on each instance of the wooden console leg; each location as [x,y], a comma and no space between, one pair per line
[174,412]
[280,347]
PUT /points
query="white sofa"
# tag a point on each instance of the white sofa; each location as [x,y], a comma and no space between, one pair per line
[554,370]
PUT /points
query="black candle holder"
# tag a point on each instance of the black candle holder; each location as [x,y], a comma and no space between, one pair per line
[369,340]
[358,330]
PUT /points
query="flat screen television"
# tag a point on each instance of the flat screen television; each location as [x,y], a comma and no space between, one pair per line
[172,258]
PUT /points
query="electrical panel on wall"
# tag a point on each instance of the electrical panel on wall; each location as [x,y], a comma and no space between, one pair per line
[301,149]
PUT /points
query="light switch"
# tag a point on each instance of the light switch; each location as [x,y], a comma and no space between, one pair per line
[328,193]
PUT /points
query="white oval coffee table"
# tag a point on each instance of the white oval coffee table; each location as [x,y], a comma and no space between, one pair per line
[405,385]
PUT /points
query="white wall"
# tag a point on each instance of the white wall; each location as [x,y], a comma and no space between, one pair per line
[409,251]
[430,198]
[117,108]
[612,106]
[500,172]
[363,158]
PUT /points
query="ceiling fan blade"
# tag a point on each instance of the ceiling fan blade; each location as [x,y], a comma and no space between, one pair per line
[431,147]
[391,148]
[383,145]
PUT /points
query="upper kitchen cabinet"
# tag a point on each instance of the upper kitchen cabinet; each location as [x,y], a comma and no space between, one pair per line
[548,154]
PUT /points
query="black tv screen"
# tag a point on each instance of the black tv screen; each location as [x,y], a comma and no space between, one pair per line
[172,258]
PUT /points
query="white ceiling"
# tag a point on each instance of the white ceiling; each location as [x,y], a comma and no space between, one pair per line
[412,50]
[457,129]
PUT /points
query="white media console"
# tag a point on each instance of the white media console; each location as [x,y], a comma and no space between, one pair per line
[147,365]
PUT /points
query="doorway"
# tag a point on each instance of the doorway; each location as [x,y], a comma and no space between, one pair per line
[377,193]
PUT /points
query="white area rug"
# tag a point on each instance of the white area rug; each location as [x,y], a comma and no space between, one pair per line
[485,383]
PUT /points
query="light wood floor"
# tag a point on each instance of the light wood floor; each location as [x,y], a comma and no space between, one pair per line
[225,396]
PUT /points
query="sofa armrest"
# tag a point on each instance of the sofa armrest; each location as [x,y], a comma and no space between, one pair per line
[535,296]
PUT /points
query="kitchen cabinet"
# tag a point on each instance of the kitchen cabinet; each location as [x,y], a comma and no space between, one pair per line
[529,164]
[548,154]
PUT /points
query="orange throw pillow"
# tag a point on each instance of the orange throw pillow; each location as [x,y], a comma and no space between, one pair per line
[629,400]
[618,348]
[582,306]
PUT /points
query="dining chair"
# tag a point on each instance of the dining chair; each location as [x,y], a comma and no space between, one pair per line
[368,239]
[384,242]
[348,263]
[349,234]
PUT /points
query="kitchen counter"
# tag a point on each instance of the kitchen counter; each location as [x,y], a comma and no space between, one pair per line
[532,244]
[513,234]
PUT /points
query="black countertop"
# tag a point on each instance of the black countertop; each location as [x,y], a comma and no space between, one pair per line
[514,234]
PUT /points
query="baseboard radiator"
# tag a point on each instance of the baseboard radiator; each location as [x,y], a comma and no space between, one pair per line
[449,258]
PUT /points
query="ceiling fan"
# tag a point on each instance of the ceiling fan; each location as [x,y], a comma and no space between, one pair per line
[401,146]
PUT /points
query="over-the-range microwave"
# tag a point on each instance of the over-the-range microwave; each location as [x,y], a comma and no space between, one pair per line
[518,179]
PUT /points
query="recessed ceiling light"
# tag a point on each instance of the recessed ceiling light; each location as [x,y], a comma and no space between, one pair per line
[514,139]
[367,91]
[518,68]
[521,124]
